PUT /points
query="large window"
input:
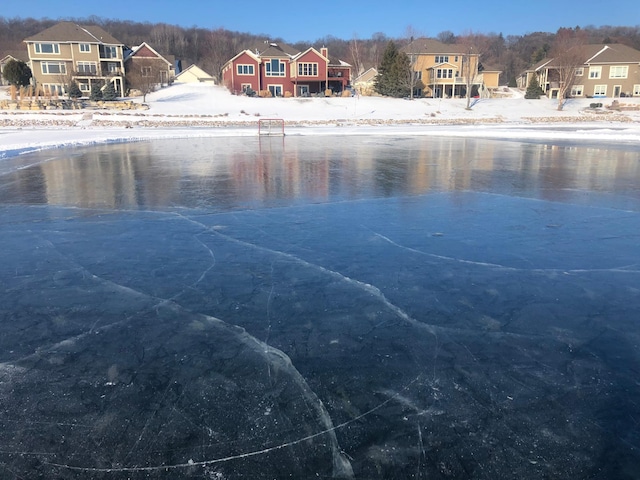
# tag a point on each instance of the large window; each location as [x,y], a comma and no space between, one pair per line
[444,73]
[442,58]
[245,69]
[600,90]
[109,52]
[87,67]
[54,68]
[274,68]
[47,48]
[618,71]
[308,69]
[595,72]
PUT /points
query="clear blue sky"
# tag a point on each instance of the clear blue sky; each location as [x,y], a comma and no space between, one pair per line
[296,21]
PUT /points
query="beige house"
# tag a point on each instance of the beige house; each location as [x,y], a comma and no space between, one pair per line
[448,70]
[84,54]
[194,74]
[608,71]
[365,82]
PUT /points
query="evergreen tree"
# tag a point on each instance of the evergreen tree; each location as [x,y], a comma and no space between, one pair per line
[533,89]
[17,73]
[73,90]
[109,92]
[383,79]
[96,93]
[394,73]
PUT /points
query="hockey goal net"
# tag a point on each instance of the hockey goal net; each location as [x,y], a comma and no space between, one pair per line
[271,126]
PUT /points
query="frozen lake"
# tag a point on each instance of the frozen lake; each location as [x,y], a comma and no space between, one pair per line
[309,307]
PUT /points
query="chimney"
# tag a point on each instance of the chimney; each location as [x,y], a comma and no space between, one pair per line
[324,51]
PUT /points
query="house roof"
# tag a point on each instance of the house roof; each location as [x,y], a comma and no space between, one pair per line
[433,47]
[195,71]
[273,50]
[15,55]
[144,50]
[70,32]
[598,54]
[366,76]
[615,53]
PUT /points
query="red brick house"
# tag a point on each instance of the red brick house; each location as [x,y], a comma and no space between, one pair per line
[283,70]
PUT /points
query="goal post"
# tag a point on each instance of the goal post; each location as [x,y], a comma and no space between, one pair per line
[271,127]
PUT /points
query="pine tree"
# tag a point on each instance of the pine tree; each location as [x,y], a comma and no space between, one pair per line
[533,89]
[109,92]
[73,90]
[394,73]
[96,93]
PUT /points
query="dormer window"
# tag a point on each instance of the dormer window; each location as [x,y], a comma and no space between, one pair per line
[51,48]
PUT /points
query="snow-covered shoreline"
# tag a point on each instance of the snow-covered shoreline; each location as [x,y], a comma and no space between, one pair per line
[196,111]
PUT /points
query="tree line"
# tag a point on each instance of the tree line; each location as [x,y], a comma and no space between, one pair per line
[211,48]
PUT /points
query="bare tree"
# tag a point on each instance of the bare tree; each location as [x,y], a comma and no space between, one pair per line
[473,45]
[568,53]
[144,75]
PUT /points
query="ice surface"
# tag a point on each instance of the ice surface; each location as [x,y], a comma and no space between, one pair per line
[377,308]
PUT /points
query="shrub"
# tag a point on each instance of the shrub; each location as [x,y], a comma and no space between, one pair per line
[96,93]
[109,92]
[534,90]
[73,90]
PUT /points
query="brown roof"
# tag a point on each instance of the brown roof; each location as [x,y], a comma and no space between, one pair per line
[69,32]
[600,54]
[615,53]
[433,47]
[273,50]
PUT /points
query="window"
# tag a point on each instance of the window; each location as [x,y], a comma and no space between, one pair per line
[109,52]
[274,68]
[595,72]
[113,67]
[444,73]
[576,90]
[54,68]
[456,58]
[84,87]
[146,71]
[245,69]
[85,47]
[442,58]
[618,71]
[600,90]
[579,71]
[52,89]
[636,90]
[47,48]
[245,87]
[87,67]
[308,69]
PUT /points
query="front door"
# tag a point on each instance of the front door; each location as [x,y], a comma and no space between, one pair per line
[617,89]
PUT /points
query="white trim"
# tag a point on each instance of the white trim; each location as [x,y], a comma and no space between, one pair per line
[600,90]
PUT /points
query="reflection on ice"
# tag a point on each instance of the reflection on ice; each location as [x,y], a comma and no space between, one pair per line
[160,320]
